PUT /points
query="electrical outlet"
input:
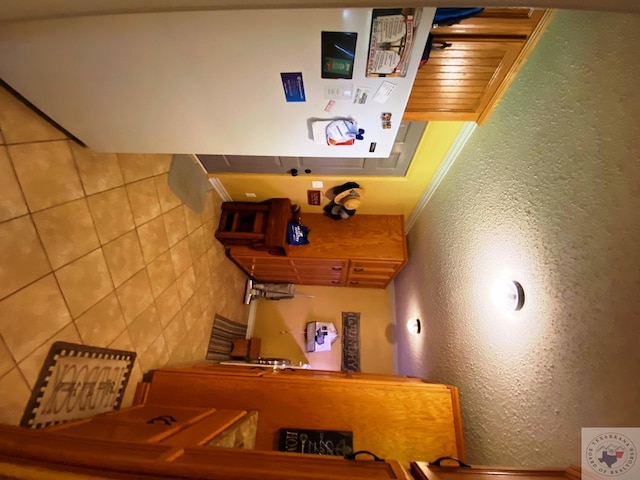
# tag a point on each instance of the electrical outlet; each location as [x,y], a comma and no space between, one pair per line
[316,184]
[250,195]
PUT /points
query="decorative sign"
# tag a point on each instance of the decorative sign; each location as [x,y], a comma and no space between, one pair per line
[313,197]
[338,54]
[350,342]
[317,442]
[391,41]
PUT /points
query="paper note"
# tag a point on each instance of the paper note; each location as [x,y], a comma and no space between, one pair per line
[384,92]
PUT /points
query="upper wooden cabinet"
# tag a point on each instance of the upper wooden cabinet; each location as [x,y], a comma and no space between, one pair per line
[473,63]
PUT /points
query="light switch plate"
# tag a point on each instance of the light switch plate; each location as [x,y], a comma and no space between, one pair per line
[316,184]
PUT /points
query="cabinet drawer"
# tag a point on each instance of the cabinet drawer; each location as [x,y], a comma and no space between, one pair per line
[326,280]
[362,267]
[368,282]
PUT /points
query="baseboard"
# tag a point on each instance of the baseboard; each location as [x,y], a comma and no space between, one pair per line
[456,147]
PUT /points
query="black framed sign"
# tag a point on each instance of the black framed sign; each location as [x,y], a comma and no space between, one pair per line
[338,54]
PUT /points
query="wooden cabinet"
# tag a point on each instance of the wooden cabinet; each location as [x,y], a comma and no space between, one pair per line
[43,453]
[473,63]
[392,416]
[362,251]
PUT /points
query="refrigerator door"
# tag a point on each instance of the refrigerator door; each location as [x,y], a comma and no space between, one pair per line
[210,82]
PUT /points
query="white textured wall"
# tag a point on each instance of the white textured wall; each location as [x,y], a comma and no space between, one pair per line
[546,192]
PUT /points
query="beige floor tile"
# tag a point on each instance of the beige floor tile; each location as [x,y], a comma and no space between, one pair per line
[153,239]
[155,356]
[31,366]
[196,243]
[124,257]
[209,234]
[22,257]
[85,282]
[135,295]
[186,285]
[161,273]
[201,269]
[123,342]
[31,316]
[193,220]
[204,297]
[20,124]
[182,355]
[181,256]
[6,359]
[12,202]
[66,231]
[168,303]
[145,329]
[14,398]
[111,213]
[135,166]
[175,225]
[143,198]
[192,312]
[175,332]
[98,171]
[161,163]
[102,323]
[47,173]
[168,199]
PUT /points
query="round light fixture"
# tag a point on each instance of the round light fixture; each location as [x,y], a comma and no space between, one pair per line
[414,326]
[508,295]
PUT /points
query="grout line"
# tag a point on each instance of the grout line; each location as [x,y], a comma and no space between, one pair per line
[15,175]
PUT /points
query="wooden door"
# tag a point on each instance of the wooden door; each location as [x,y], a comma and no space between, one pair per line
[407,139]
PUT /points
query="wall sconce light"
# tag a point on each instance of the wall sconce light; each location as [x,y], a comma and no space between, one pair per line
[414,326]
[508,295]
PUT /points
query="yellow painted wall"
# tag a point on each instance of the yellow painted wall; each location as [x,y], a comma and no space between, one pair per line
[384,195]
[281,325]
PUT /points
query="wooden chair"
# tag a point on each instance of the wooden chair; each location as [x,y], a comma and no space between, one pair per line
[260,225]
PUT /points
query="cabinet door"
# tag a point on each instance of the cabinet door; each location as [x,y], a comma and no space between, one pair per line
[372,273]
[461,79]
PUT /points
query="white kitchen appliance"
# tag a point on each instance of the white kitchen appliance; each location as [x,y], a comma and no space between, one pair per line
[213,82]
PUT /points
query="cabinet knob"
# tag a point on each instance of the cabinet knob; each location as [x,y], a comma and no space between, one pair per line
[354,283]
[335,282]
[336,269]
[358,269]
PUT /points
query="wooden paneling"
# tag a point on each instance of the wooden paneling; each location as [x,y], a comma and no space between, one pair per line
[481,56]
